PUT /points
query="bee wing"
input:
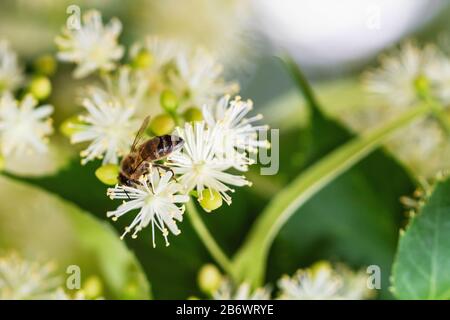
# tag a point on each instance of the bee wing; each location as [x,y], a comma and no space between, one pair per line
[140,133]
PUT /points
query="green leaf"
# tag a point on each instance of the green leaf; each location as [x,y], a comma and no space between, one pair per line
[39,224]
[422,264]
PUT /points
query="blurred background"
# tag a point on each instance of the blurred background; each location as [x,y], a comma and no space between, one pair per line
[332,41]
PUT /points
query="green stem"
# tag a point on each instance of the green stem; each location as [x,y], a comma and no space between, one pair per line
[249,263]
[207,238]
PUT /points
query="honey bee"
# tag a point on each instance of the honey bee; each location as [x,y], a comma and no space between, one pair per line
[142,156]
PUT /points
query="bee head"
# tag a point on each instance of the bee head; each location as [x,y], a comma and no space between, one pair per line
[123,180]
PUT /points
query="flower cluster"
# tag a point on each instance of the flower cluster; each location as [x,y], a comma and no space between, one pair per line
[24,126]
[193,102]
[91,45]
[322,282]
[242,292]
[319,282]
[22,279]
[406,77]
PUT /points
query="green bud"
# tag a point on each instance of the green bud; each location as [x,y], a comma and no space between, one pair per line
[210,200]
[68,127]
[40,87]
[422,86]
[108,174]
[319,266]
[209,278]
[142,60]
[193,114]
[130,292]
[93,287]
[169,100]
[162,124]
[45,64]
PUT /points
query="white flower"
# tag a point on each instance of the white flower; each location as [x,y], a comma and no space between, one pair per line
[243,292]
[92,46]
[439,73]
[23,127]
[10,73]
[423,146]
[157,200]
[108,126]
[162,51]
[321,282]
[237,134]
[24,280]
[198,165]
[396,78]
[128,86]
[199,78]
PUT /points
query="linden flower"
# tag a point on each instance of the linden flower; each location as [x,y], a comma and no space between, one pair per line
[199,78]
[197,164]
[403,74]
[10,73]
[23,126]
[128,86]
[157,199]
[243,292]
[25,280]
[439,73]
[108,126]
[238,135]
[92,46]
[423,146]
[321,282]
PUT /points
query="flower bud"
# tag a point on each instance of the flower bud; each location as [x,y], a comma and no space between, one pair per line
[131,291]
[108,174]
[142,60]
[169,100]
[320,266]
[45,65]
[210,200]
[40,87]
[209,278]
[93,287]
[69,126]
[193,114]
[162,124]
[422,86]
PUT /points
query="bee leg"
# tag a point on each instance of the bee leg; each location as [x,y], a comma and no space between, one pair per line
[165,168]
[142,170]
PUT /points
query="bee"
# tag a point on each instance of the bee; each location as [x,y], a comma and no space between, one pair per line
[143,155]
